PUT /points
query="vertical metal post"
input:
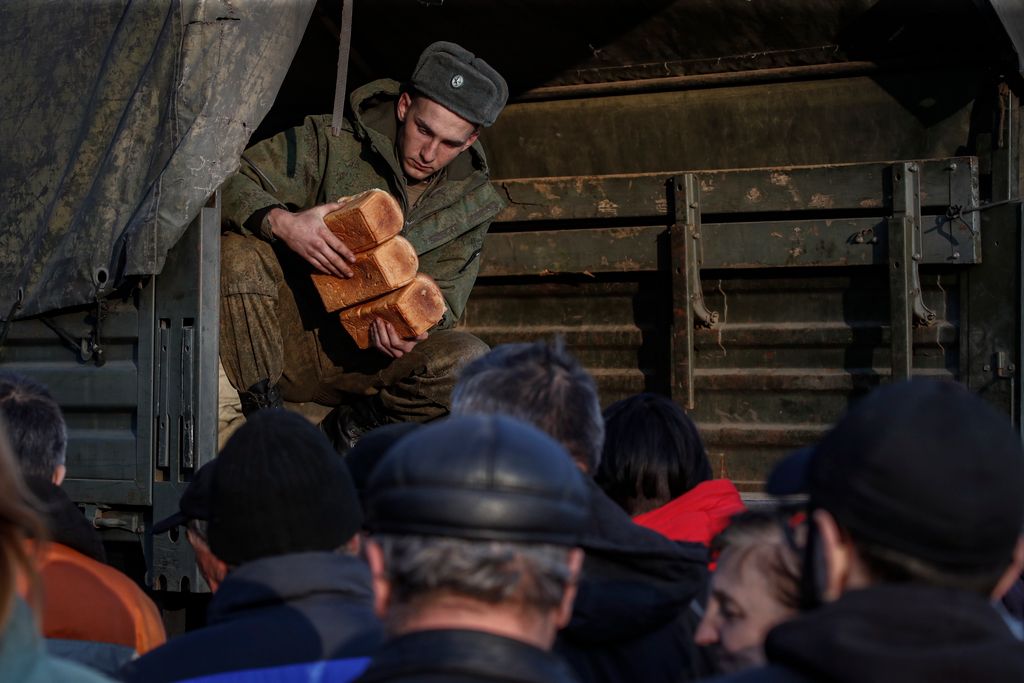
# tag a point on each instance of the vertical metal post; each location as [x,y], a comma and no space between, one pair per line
[906,218]
[344,47]
[685,192]
[688,307]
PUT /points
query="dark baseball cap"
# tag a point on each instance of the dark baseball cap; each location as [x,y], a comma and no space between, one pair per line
[483,477]
[460,81]
[923,467]
[194,503]
[279,487]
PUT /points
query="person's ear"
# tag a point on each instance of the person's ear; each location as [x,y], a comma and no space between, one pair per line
[470,140]
[59,472]
[837,555]
[381,585]
[402,107]
[1012,573]
[354,544]
[564,610]
[211,567]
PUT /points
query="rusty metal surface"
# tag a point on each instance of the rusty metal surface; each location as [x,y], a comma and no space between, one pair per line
[834,187]
[803,308]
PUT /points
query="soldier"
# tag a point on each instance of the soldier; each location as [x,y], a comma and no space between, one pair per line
[417,141]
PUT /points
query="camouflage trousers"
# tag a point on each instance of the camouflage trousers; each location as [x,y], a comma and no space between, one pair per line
[274,326]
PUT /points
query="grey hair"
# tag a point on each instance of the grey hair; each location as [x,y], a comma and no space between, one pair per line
[542,384]
[35,425]
[534,574]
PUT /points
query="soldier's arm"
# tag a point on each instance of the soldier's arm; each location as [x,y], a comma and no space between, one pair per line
[274,193]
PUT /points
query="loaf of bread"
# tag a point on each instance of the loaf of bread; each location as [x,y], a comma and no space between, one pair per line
[366,220]
[413,310]
[378,271]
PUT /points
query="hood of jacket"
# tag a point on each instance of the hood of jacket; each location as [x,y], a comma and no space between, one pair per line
[898,633]
[290,578]
[65,522]
[634,581]
[698,515]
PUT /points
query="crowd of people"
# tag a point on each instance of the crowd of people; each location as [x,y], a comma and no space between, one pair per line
[529,537]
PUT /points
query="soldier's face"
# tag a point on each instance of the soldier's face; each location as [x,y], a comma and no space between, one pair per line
[430,136]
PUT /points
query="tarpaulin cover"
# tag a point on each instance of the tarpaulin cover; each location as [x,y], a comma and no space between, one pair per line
[118,120]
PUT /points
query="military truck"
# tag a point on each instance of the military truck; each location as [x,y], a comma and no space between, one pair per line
[760,208]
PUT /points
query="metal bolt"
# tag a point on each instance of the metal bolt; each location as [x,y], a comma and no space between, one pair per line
[986,367]
[694,205]
[956,254]
[951,167]
[917,257]
[912,168]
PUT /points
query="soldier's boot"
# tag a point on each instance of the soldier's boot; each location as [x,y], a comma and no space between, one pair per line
[259,396]
[347,423]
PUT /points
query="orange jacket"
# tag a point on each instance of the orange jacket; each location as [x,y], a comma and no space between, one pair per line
[85,600]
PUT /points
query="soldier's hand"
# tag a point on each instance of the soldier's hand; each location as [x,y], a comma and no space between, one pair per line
[386,339]
[306,234]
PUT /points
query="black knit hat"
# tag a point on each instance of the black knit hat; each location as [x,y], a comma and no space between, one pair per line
[279,487]
[485,477]
[922,467]
[455,78]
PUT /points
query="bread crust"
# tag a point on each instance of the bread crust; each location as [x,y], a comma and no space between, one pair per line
[412,310]
[366,220]
[377,271]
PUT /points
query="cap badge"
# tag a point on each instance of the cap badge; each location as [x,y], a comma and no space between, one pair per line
[457,81]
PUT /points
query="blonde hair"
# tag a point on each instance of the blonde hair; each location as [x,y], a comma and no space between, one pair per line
[19,521]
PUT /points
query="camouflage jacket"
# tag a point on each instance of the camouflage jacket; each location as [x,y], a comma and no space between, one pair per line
[307,166]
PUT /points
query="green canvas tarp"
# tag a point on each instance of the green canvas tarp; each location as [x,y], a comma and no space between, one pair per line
[118,120]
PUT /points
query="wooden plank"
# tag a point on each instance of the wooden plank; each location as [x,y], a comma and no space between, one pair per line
[839,187]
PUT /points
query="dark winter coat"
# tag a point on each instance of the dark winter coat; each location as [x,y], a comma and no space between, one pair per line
[271,613]
[893,634]
[457,656]
[632,619]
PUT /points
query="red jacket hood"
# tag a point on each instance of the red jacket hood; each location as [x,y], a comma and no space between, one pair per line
[698,515]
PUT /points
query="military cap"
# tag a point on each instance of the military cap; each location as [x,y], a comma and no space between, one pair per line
[455,78]
[479,477]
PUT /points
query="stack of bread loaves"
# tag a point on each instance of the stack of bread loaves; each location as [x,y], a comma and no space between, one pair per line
[385,283]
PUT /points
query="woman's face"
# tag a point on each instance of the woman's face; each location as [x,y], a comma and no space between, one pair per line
[742,608]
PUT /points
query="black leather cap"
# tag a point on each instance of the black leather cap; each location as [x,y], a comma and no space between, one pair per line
[486,477]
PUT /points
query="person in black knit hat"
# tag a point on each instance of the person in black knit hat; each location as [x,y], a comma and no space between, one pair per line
[273,519]
[916,502]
